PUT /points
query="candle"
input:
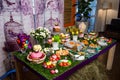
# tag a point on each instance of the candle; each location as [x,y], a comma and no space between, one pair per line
[33,3]
[33,10]
[33,6]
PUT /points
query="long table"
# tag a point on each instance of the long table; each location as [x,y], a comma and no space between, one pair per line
[18,61]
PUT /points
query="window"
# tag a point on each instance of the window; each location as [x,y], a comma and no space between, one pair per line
[93,16]
[69,14]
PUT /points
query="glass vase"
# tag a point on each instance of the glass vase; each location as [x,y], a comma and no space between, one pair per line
[55,45]
[41,42]
[75,38]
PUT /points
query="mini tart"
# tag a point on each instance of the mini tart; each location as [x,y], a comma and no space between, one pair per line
[85,42]
[62,52]
[71,42]
[92,45]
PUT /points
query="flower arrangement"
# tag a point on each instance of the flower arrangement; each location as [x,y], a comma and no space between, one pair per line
[56,38]
[23,40]
[73,30]
[40,34]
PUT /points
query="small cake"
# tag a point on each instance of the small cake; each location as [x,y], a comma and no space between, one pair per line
[36,55]
[85,42]
[92,35]
[56,28]
[92,45]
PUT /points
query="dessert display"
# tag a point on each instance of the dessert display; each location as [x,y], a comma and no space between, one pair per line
[67,37]
[102,41]
[37,55]
[62,35]
[91,50]
[66,52]
[81,53]
[48,51]
[49,64]
[56,28]
[85,42]
[79,46]
[81,35]
[70,44]
[92,45]
[55,57]
[78,57]
[92,35]
[54,71]
[64,63]
[74,45]
[62,52]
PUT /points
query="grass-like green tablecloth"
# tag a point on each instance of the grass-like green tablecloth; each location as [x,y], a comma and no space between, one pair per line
[46,72]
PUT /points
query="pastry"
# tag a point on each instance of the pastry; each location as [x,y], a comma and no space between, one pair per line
[56,28]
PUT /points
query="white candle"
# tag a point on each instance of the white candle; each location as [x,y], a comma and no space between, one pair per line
[33,10]
[33,6]
[33,3]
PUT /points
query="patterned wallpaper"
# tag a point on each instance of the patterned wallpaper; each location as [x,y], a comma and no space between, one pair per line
[24,15]
[2,53]
[49,12]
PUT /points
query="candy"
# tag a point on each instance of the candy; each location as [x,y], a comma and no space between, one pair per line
[23,41]
[56,70]
[52,71]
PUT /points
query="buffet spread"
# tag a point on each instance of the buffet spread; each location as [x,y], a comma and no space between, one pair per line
[60,52]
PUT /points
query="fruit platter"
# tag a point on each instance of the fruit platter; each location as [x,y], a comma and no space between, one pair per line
[64,63]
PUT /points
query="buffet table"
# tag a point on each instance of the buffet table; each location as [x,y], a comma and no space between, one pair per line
[43,74]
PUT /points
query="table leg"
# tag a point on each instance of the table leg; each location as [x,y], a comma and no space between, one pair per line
[19,70]
[110,57]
